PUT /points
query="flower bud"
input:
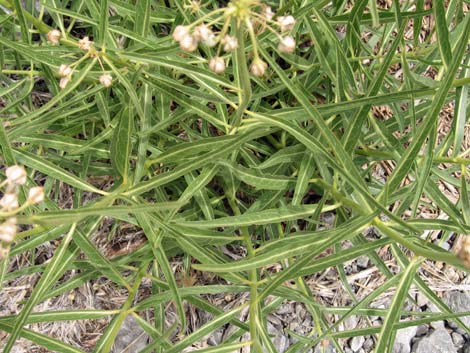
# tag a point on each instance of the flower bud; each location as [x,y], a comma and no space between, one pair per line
[9,201]
[180,32]
[287,44]
[188,43]
[211,41]
[258,67]
[64,81]
[217,65]
[16,175]
[268,13]
[54,36]
[36,194]
[286,22]
[230,43]
[8,230]
[85,43]
[106,80]
[202,32]
[65,70]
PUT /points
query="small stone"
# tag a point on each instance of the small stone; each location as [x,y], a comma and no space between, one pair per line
[284,309]
[356,343]
[437,342]
[457,339]
[403,339]
[368,344]
[437,325]
[422,330]
[280,341]
[459,302]
[131,337]
[362,261]
[422,300]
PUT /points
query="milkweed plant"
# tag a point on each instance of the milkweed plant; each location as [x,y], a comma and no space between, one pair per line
[243,156]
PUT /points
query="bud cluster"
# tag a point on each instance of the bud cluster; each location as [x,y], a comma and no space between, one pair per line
[248,14]
[9,204]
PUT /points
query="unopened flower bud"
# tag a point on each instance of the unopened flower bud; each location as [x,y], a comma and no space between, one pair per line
[217,65]
[268,13]
[54,36]
[85,43]
[64,81]
[36,194]
[230,43]
[211,41]
[16,175]
[202,32]
[9,201]
[106,80]
[180,32]
[188,43]
[65,70]
[286,22]
[287,44]
[8,230]
[258,67]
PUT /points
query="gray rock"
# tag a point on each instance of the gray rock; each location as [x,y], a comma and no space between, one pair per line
[368,344]
[422,330]
[403,340]
[131,337]
[362,261]
[458,339]
[280,341]
[356,343]
[459,302]
[437,325]
[437,342]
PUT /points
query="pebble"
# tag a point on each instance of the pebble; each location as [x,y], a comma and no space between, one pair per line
[437,342]
[457,339]
[362,261]
[368,344]
[459,302]
[422,330]
[356,343]
[131,337]
[403,339]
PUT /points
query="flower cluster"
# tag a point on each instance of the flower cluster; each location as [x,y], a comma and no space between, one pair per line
[65,71]
[248,15]
[9,205]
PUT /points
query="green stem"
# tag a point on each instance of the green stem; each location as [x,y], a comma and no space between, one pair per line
[253,282]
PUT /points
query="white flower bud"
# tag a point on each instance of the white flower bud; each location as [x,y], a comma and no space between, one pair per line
[85,43]
[268,13]
[106,80]
[286,22]
[188,43]
[211,41]
[180,32]
[217,65]
[8,230]
[287,44]
[230,43]
[16,175]
[258,67]
[54,36]
[9,201]
[65,70]
[202,32]
[64,81]
[36,194]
